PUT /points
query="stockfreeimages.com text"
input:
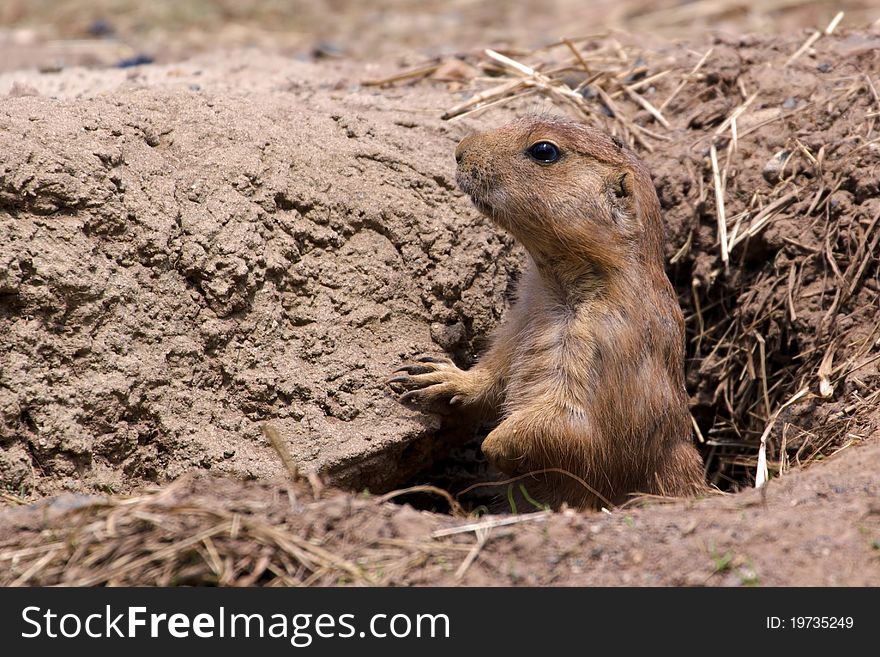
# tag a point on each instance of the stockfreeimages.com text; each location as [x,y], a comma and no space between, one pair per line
[299,629]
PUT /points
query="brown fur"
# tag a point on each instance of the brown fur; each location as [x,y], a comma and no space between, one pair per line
[586,373]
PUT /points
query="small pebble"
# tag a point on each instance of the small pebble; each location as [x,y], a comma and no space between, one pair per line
[327,49]
[773,168]
[137,60]
[100,28]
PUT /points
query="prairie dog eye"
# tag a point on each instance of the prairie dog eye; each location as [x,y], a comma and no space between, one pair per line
[543,152]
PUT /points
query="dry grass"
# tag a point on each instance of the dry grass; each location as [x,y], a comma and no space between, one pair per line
[176,537]
[9,498]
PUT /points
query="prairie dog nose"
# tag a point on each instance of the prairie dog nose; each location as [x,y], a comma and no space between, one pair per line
[462,147]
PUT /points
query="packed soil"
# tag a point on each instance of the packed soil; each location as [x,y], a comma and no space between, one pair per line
[199,250]
[185,264]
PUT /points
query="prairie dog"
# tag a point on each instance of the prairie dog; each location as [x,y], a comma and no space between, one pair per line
[586,374]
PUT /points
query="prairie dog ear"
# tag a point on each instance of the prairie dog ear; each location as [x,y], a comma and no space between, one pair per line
[622,185]
[621,197]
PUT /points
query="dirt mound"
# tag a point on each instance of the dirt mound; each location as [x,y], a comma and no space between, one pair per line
[189,255]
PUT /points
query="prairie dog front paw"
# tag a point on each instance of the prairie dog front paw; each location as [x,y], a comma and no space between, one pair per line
[431,381]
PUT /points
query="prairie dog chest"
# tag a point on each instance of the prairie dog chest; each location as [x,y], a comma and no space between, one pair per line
[554,361]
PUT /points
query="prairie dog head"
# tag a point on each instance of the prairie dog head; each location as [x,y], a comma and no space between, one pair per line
[564,190]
